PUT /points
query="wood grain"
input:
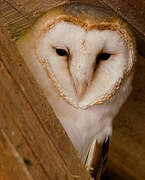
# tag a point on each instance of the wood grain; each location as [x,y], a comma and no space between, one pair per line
[23,103]
[11,164]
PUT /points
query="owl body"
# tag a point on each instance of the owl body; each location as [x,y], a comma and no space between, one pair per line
[83,60]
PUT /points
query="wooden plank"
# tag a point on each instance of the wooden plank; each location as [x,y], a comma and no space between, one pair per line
[21,146]
[13,19]
[11,164]
[32,114]
[16,138]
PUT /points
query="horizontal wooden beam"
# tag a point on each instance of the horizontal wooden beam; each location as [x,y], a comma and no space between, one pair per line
[29,122]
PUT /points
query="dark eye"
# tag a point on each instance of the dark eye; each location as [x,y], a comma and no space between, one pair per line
[103,56]
[62,52]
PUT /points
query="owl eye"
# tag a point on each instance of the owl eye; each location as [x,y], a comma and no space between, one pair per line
[103,56]
[62,52]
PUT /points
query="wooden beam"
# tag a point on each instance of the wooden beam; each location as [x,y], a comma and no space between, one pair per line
[11,164]
[25,112]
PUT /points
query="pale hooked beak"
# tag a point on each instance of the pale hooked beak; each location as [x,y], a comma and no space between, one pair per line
[80,87]
[82,74]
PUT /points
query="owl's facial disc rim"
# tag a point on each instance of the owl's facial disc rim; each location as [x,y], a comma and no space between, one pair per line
[87,26]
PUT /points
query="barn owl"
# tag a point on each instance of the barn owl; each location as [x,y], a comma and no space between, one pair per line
[83,59]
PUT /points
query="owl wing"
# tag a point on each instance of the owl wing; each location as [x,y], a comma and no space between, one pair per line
[97,158]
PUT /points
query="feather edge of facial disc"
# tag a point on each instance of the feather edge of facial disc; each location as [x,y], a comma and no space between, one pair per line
[89,18]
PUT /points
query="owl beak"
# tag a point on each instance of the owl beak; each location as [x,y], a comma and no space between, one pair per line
[81,74]
[80,87]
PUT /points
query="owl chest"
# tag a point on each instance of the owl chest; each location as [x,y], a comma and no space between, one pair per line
[85,125]
[82,126]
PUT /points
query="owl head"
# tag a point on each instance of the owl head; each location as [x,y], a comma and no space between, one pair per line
[87,52]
